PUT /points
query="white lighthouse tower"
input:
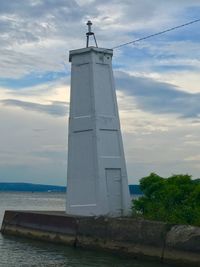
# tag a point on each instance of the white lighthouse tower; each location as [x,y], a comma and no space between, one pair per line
[96,178]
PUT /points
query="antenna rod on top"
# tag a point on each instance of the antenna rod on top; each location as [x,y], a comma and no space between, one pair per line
[89,24]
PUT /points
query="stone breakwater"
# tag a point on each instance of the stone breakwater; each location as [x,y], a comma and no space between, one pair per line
[138,238]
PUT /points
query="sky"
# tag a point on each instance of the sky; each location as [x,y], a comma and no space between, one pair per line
[157,83]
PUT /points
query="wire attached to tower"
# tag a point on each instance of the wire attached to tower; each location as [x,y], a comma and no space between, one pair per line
[158,33]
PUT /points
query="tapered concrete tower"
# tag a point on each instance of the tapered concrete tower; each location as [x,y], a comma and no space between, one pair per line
[97,178]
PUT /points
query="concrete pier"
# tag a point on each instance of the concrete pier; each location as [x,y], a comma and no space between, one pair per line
[176,244]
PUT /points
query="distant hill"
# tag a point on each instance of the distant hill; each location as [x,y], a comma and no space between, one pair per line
[27,187]
[135,189]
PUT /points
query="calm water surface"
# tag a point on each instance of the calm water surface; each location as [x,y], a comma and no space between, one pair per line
[19,252]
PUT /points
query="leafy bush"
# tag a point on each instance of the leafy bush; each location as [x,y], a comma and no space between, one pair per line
[175,199]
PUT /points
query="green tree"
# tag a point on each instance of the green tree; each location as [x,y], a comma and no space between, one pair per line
[175,199]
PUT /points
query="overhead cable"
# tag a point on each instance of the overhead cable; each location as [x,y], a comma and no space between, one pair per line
[158,33]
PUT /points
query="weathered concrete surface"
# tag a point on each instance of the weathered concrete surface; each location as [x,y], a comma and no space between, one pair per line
[53,226]
[131,236]
[179,245]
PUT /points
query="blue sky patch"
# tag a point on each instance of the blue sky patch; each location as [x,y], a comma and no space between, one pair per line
[32,79]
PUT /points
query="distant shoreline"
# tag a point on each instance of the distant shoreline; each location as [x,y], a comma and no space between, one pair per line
[29,187]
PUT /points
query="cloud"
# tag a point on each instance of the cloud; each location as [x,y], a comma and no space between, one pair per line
[26,139]
[37,34]
[56,108]
[159,97]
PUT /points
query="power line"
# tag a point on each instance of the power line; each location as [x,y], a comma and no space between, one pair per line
[158,33]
